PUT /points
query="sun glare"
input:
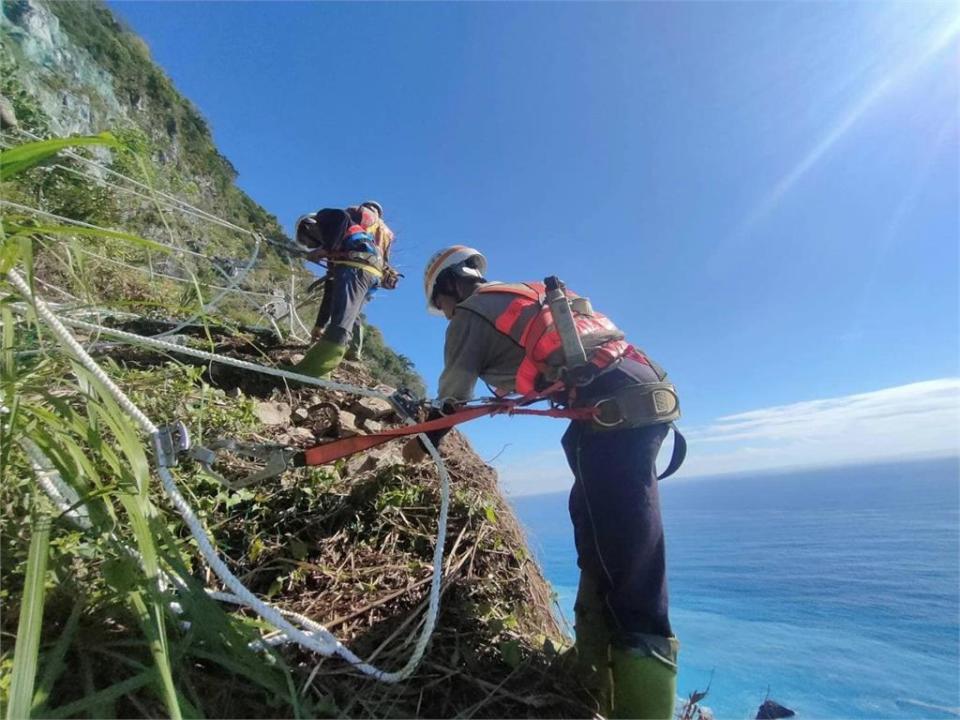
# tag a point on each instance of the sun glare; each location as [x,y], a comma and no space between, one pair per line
[938,32]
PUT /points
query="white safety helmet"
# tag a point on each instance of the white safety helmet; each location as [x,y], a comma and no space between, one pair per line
[308,233]
[373,205]
[467,261]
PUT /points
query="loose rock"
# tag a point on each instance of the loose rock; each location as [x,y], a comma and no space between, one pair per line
[348,421]
[301,435]
[272,413]
[371,408]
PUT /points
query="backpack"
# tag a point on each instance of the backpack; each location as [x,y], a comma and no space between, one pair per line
[323,230]
[355,234]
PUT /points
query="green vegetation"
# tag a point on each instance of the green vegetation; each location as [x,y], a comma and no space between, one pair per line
[141,85]
[122,646]
[165,144]
[88,628]
[90,598]
[352,551]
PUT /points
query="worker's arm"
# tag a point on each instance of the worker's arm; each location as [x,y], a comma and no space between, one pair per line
[465,353]
[318,254]
[464,356]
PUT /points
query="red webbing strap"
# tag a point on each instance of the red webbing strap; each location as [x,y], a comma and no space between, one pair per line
[323,454]
[585,413]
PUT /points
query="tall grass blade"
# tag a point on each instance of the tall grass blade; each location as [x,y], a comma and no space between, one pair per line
[31,616]
[23,157]
[55,660]
[139,509]
[151,620]
[15,230]
[110,694]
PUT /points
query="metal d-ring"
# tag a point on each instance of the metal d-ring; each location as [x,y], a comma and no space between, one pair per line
[599,412]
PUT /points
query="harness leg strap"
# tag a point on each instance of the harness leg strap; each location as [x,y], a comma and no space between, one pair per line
[678,455]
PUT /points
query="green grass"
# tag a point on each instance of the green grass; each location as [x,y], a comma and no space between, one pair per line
[92,445]
[94,633]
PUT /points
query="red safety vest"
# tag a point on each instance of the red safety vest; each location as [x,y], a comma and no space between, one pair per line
[528,321]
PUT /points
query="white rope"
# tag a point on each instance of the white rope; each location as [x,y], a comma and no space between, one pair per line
[172,203]
[154,273]
[231,287]
[183,205]
[90,226]
[223,359]
[292,306]
[63,496]
[66,499]
[318,639]
[296,316]
[179,207]
[207,307]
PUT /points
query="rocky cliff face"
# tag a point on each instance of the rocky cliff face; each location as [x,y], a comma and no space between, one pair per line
[87,74]
[70,86]
[70,68]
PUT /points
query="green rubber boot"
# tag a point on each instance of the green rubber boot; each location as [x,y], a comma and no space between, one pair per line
[645,680]
[592,649]
[321,360]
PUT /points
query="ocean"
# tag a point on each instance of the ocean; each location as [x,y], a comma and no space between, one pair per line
[837,591]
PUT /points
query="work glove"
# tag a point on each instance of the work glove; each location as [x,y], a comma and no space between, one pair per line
[390,278]
[414,452]
[316,333]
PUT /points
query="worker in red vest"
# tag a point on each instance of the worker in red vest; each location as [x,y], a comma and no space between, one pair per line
[355,243]
[506,334]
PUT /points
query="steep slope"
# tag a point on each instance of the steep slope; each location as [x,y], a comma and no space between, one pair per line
[71,68]
[349,546]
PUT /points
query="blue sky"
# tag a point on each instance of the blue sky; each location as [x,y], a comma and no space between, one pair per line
[762,195]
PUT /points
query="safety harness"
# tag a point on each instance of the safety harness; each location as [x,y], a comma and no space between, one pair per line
[566,346]
[608,413]
[529,321]
[356,237]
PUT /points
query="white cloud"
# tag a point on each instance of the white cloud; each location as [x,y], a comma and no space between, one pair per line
[916,420]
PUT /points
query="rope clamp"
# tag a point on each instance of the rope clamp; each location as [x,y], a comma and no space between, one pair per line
[406,403]
[278,459]
[170,442]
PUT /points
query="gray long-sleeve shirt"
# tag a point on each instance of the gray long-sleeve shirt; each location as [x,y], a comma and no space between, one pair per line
[474,349]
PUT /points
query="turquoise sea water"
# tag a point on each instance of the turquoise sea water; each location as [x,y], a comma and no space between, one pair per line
[838,589]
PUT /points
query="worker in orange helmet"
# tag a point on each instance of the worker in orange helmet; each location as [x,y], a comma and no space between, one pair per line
[507,335]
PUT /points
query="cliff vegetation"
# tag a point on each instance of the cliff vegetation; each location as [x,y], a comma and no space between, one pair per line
[123,229]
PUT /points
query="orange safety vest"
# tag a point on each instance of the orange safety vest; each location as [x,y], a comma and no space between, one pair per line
[527,319]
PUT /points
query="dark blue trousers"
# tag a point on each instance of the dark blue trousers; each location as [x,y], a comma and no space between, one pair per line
[615,509]
[349,288]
